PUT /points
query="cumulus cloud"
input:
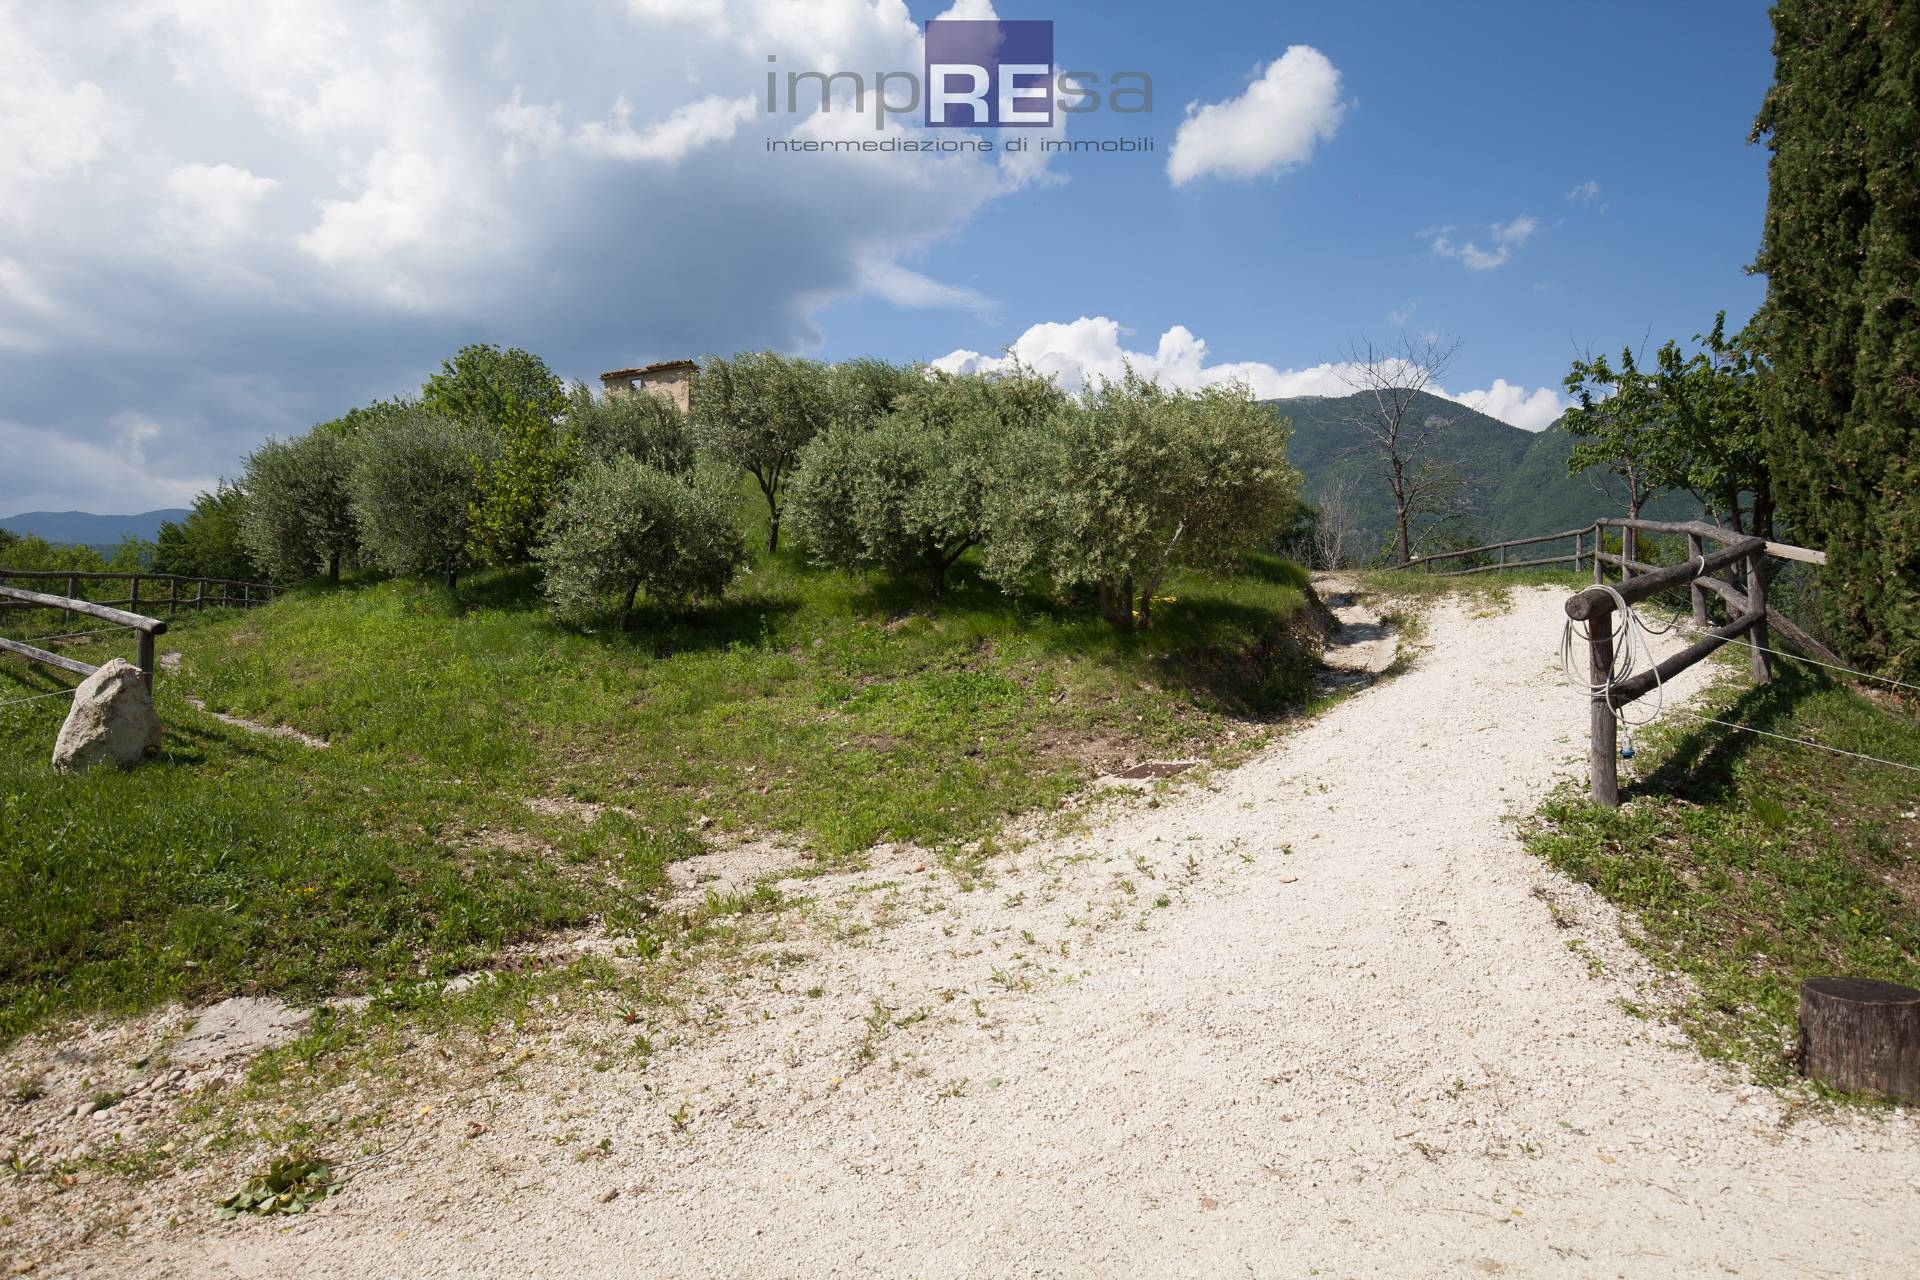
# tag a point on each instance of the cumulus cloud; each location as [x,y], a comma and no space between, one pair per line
[237,219]
[1292,105]
[1507,236]
[1093,347]
[213,203]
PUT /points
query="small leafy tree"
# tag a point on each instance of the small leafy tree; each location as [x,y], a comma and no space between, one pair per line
[1134,481]
[415,486]
[299,513]
[620,526]
[207,543]
[912,490]
[515,398]
[757,411]
[1695,421]
[639,425]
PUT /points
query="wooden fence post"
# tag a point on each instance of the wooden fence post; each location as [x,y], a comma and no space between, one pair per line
[199,594]
[1599,568]
[1604,730]
[1759,637]
[1698,592]
[146,658]
[133,592]
[173,595]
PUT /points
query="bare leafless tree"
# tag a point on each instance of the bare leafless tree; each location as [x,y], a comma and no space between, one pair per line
[1397,433]
[1333,529]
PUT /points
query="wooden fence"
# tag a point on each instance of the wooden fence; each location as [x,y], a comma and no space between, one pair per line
[167,589]
[145,630]
[1596,607]
[1701,575]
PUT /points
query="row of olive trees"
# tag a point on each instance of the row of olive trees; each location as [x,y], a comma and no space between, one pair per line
[872,465]
[1109,491]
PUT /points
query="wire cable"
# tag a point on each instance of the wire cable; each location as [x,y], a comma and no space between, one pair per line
[57,693]
[1802,742]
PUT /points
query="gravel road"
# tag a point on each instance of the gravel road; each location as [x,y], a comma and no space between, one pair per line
[1313,1015]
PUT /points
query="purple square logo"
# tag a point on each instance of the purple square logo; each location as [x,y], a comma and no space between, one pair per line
[989,75]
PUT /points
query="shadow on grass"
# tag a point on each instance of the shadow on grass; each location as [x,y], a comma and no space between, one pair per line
[1701,766]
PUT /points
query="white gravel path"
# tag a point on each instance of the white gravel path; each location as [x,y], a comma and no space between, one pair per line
[1354,1042]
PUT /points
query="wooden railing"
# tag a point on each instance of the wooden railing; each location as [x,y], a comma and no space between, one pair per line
[1585,552]
[225,593]
[1579,555]
[1596,606]
[144,628]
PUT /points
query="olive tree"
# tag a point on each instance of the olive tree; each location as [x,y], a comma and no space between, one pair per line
[757,411]
[415,487]
[620,526]
[638,425]
[1133,481]
[912,490]
[298,518]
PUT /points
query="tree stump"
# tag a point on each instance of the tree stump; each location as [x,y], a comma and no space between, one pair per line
[1862,1036]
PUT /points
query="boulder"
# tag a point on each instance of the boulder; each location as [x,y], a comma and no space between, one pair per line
[112,720]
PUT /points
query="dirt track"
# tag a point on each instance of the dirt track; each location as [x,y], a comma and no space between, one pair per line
[1354,1039]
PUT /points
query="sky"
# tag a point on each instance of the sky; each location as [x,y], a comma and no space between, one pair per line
[225,220]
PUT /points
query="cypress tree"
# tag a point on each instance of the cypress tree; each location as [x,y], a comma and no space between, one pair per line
[1841,323]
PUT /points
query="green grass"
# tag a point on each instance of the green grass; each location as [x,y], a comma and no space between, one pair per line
[836,710]
[1750,864]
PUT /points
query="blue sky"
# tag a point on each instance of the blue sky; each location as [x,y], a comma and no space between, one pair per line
[221,221]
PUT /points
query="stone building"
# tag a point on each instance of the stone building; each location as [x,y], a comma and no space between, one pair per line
[670,378]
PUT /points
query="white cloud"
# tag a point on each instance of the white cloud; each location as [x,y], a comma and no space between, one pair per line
[1399,316]
[56,124]
[289,208]
[1529,410]
[1507,236]
[211,203]
[1585,193]
[685,130]
[1091,348]
[1290,107]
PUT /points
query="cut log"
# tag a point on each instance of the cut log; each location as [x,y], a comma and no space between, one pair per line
[1861,1036]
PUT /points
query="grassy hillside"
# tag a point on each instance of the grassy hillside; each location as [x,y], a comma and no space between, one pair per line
[1515,482]
[831,710]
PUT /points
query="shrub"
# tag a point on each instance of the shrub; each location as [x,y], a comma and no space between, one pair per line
[299,512]
[757,411]
[415,486]
[620,526]
[1133,480]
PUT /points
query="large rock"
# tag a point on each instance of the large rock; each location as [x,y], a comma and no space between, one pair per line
[112,721]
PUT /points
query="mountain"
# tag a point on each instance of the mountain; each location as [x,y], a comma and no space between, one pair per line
[88,529]
[1514,483]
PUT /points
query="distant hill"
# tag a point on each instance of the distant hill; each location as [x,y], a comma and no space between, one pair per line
[1515,482]
[88,529]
